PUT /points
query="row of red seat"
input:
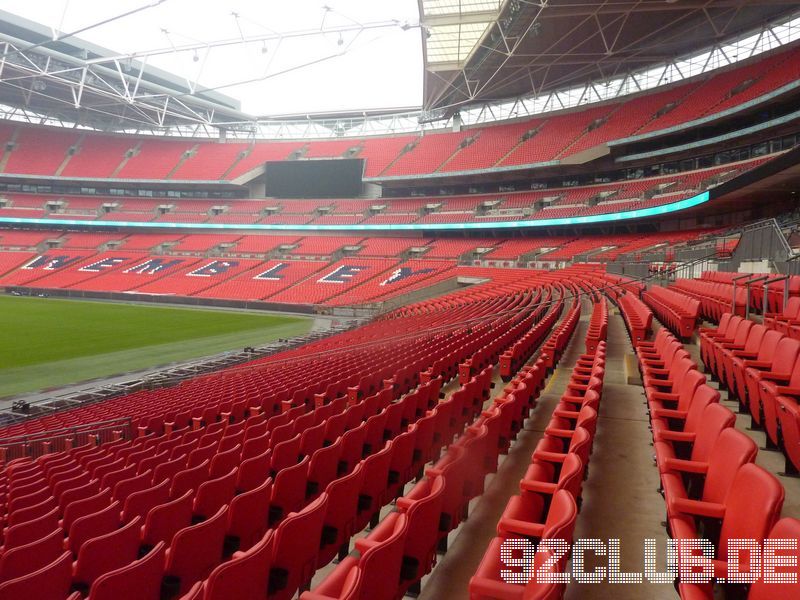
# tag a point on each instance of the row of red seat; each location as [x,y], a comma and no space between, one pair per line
[550,491]
[715,298]
[676,310]
[775,290]
[760,367]
[638,317]
[712,488]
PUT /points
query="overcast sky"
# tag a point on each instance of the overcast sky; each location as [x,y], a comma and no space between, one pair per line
[381,68]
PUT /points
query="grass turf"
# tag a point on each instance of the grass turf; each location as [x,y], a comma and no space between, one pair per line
[47,342]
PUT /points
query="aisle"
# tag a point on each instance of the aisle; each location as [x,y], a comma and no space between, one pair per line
[620,497]
[450,577]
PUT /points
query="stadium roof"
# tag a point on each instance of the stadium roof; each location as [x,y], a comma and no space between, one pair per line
[478,52]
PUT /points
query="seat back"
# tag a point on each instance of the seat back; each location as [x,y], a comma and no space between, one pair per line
[51,582]
[107,552]
[215,493]
[752,507]
[731,450]
[380,565]
[245,576]
[29,558]
[297,541]
[140,503]
[785,355]
[785,529]
[93,525]
[165,520]
[561,517]
[703,396]
[248,514]
[196,550]
[715,419]
[30,531]
[139,580]
[769,344]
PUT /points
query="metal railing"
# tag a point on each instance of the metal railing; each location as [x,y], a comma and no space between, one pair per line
[45,442]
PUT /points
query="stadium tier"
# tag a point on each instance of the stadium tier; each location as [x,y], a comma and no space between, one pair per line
[555,202]
[48,151]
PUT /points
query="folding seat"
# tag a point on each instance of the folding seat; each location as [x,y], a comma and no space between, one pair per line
[559,518]
[230,440]
[323,467]
[340,515]
[374,487]
[27,495]
[224,461]
[214,494]
[183,450]
[673,425]
[373,437]
[194,552]
[424,449]
[736,341]
[394,420]
[140,580]
[379,562]
[679,401]
[150,464]
[312,439]
[786,318]
[124,488]
[731,450]
[285,454]
[248,517]
[51,582]
[28,558]
[168,470]
[165,520]
[789,418]
[747,350]
[245,576]
[111,479]
[65,485]
[253,471]
[452,467]
[727,325]
[281,433]
[423,506]
[105,553]
[134,458]
[715,419]
[474,441]
[672,379]
[563,424]
[201,454]
[34,511]
[352,449]
[297,542]
[189,479]
[289,491]
[554,451]
[85,506]
[751,508]
[739,360]
[489,584]
[541,481]
[92,525]
[335,427]
[138,504]
[770,387]
[779,370]
[255,446]
[401,467]
[108,466]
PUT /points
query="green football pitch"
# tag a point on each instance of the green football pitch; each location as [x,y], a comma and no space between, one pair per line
[48,342]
